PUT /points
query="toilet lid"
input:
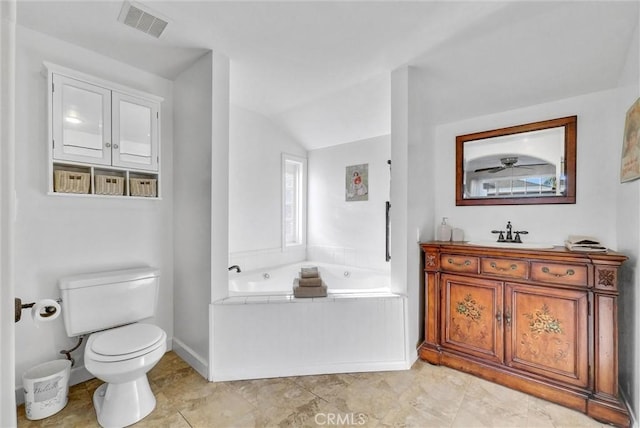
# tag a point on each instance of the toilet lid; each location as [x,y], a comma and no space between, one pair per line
[126,340]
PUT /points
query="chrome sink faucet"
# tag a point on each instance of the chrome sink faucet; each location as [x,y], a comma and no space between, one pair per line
[510,238]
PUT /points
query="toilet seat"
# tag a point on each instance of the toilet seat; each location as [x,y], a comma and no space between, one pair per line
[124,343]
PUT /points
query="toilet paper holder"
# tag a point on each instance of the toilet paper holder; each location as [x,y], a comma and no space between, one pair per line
[19,306]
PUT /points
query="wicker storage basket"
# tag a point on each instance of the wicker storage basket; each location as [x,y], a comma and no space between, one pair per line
[143,187]
[70,181]
[109,185]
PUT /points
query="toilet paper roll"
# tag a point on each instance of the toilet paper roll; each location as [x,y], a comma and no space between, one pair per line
[45,310]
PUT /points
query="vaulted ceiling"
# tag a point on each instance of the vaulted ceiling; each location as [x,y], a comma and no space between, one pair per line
[321,69]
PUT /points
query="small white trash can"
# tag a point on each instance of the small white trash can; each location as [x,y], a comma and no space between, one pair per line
[46,388]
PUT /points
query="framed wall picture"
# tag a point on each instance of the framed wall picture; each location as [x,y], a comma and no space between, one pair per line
[357,183]
[630,163]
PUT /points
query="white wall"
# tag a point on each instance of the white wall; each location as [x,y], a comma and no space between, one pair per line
[200,209]
[7,148]
[412,193]
[220,131]
[61,235]
[597,174]
[628,237]
[255,188]
[342,232]
[192,212]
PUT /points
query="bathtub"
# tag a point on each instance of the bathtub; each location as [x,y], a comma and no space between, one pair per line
[260,330]
[278,280]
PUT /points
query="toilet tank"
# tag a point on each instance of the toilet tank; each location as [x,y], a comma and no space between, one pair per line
[97,301]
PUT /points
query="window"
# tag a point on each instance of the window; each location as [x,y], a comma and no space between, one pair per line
[293,200]
[525,185]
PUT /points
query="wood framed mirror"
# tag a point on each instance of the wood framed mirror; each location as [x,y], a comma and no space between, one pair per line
[528,164]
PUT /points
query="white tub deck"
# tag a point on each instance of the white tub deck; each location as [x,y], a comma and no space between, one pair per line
[278,280]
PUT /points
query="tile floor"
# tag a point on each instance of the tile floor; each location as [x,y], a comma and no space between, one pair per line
[425,396]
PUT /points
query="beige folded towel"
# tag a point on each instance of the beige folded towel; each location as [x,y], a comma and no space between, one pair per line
[310,282]
[309,272]
[310,291]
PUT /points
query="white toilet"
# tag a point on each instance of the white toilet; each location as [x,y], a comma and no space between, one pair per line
[120,351]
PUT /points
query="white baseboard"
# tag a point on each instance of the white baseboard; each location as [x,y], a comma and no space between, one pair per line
[198,363]
[267,372]
[413,357]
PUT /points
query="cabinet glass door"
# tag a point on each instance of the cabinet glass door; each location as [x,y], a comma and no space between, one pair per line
[472,316]
[135,133]
[81,116]
[547,333]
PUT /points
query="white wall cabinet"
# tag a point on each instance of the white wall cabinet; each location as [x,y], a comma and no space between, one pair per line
[81,119]
[134,132]
[105,130]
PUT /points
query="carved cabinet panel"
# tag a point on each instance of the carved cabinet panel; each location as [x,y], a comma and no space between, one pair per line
[472,315]
[544,322]
[545,332]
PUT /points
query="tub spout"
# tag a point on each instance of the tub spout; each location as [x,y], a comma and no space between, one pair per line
[235,267]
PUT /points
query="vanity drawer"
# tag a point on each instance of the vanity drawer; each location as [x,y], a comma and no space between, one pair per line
[556,273]
[512,268]
[453,263]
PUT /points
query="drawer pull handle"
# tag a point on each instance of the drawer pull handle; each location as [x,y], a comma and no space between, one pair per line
[465,263]
[499,317]
[569,272]
[507,318]
[503,269]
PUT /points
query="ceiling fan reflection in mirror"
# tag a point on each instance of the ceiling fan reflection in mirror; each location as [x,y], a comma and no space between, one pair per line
[507,162]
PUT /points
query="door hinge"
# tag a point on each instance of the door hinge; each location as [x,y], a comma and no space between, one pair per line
[53,144]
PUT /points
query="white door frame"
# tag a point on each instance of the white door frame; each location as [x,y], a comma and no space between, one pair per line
[7,211]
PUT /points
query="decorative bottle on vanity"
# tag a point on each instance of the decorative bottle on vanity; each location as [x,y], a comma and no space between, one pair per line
[444,231]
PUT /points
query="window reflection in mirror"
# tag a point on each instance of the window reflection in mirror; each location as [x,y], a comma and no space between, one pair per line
[525,164]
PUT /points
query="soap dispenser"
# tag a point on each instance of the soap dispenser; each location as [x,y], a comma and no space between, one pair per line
[444,231]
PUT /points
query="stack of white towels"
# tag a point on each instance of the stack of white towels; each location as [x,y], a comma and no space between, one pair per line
[309,283]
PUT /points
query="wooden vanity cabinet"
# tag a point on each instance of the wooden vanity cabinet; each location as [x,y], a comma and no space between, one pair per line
[540,321]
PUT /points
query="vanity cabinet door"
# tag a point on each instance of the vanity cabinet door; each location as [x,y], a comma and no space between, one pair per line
[81,118]
[547,332]
[472,316]
[135,132]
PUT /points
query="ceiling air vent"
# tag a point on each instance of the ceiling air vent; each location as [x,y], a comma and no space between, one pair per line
[142,18]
